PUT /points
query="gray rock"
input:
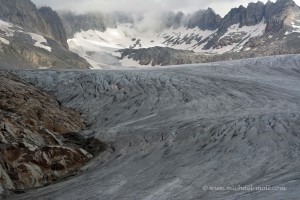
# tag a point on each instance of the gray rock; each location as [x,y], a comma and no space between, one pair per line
[25,14]
[205,20]
[21,50]
[21,53]
[54,22]
[75,23]
[161,56]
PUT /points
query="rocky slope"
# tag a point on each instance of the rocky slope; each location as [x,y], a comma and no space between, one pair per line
[159,56]
[25,14]
[36,132]
[75,23]
[205,20]
[34,38]
[174,131]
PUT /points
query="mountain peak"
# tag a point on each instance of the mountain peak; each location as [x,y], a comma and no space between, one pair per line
[252,4]
[210,10]
[286,2]
[205,20]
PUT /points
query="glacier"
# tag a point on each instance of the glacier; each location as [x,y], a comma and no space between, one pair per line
[174,131]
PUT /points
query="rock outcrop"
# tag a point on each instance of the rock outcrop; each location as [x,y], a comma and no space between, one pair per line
[34,38]
[56,29]
[280,14]
[75,23]
[32,129]
[20,49]
[160,56]
[25,14]
[205,20]
[249,16]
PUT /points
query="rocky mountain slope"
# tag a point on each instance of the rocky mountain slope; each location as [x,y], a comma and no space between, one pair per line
[256,30]
[33,38]
[74,23]
[42,21]
[36,132]
[158,56]
[175,132]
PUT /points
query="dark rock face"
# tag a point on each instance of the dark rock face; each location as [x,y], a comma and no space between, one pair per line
[249,16]
[205,20]
[46,48]
[56,27]
[277,14]
[75,23]
[25,14]
[255,13]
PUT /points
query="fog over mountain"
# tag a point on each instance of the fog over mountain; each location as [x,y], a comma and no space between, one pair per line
[222,7]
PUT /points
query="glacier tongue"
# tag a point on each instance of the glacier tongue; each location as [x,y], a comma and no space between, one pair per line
[175,131]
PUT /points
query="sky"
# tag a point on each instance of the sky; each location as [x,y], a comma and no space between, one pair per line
[221,7]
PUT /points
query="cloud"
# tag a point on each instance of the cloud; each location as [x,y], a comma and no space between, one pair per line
[220,6]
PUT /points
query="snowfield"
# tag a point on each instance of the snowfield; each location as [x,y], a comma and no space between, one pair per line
[174,131]
[40,41]
[102,45]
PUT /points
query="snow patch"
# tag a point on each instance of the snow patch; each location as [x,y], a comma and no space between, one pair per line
[85,153]
[41,42]
[6,28]
[295,27]
[30,146]
[185,39]
[44,67]
[117,54]
[5,41]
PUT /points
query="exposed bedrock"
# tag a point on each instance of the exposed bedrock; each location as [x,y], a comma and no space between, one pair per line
[36,146]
